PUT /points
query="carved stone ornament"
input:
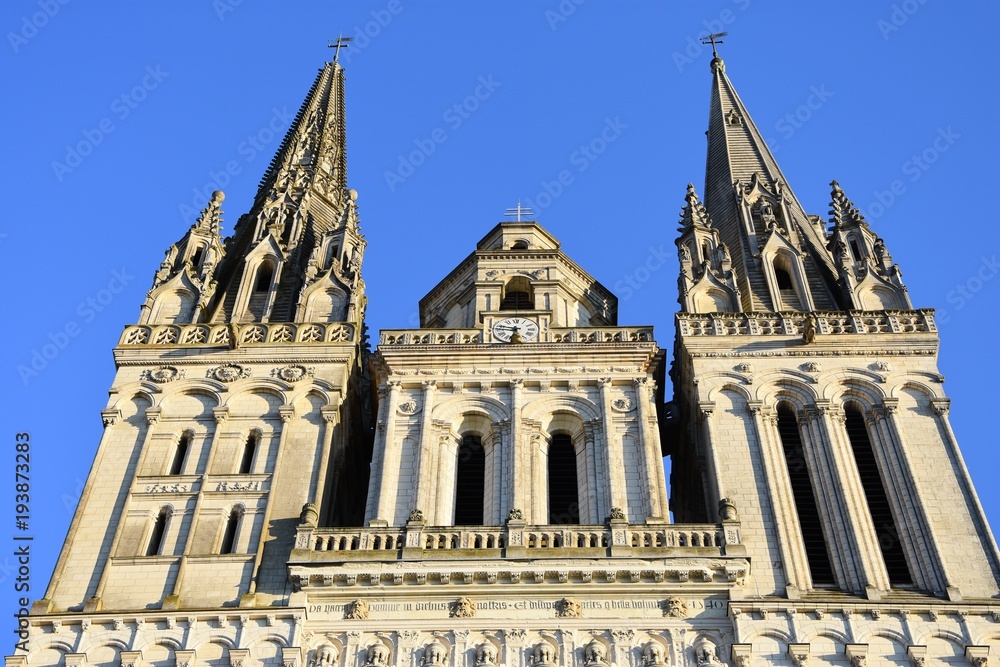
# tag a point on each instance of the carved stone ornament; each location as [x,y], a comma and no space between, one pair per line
[883,366]
[486,655]
[617,514]
[706,654]
[675,607]
[463,608]
[811,367]
[595,654]
[407,408]
[228,372]
[378,655]
[357,611]
[327,655]
[515,515]
[623,405]
[745,367]
[569,608]
[543,655]
[416,515]
[435,654]
[164,374]
[292,372]
[654,654]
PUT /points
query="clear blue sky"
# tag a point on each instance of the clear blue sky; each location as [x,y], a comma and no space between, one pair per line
[171,100]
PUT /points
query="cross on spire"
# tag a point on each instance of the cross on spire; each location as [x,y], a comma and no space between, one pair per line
[337,44]
[519,211]
[713,39]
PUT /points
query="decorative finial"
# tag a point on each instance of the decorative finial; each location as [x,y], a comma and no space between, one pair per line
[713,39]
[337,44]
[519,211]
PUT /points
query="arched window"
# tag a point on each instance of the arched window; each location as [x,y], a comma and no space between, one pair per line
[156,535]
[878,500]
[787,293]
[249,450]
[805,498]
[265,272]
[564,498]
[196,257]
[856,250]
[520,244]
[180,454]
[517,295]
[470,483]
[231,531]
[783,279]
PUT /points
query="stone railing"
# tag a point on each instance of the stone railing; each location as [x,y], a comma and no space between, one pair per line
[515,539]
[393,337]
[794,323]
[430,337]
[245,334]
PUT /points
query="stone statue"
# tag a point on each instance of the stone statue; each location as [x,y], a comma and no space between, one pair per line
[676,607]
[542,655]
[378,655]
[595,654]
[653,654]
[327,655]
[486,655]
[434,654]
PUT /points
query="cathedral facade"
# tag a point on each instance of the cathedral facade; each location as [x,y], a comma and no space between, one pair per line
[488,489]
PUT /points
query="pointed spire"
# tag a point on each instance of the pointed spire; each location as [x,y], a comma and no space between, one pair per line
[843,212]
[750,201]
[210,219]
[693,213]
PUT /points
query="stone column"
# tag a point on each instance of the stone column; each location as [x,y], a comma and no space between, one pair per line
[426,453]
[870,573]
[795,560]
[385,471]
[716,489]
[650,446]
[331,418]
[612,452]
[520,453]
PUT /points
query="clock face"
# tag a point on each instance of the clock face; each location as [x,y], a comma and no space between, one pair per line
[505,328]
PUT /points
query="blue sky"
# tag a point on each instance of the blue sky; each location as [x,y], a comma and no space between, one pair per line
[122,118]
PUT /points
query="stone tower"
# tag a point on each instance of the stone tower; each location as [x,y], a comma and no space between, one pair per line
[807,394]
[240,396]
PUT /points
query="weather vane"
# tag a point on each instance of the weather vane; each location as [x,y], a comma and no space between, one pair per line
[518,212]
[340,42]
[713,39]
